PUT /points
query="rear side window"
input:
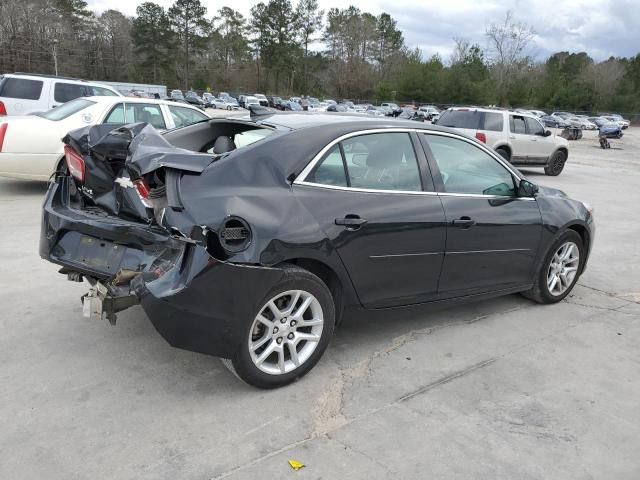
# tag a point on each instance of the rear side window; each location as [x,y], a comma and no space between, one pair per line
[66,110]
[460,119]
[22,88]
[493,121]
[142,112]
[378,161]
[330,170]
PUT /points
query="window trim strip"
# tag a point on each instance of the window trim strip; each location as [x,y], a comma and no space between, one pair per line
[301,178]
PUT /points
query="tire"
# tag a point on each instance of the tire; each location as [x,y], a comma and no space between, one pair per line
[556,164]
[541,291]
[504,153]
[279,336]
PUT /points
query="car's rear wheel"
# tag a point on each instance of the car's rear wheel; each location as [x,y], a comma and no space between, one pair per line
[289,333]
[560,270]
[504,153]
[556,164]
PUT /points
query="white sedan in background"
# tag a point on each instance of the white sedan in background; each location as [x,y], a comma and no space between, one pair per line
[31,147]
[221,103]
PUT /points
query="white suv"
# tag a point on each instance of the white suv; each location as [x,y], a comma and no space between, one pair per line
[518,137]
[23,94]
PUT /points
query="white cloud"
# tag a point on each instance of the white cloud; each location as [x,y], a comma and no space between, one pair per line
[602,28]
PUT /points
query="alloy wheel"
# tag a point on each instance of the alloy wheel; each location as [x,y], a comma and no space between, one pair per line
[286,332]
[563,268]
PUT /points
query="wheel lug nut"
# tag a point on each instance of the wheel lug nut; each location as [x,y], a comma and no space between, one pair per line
[293,323]
[275,329]
[279,340]
[290,336]
[283,320]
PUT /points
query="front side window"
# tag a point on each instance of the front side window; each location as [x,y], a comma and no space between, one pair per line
[65,92]
[21,88]
[377,161]
[533,126]
[465,168]
[517,124]
[185,116]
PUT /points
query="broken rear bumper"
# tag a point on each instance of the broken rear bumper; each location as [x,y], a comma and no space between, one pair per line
[194,301]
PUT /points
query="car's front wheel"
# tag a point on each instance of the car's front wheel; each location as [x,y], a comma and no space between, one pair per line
[289,333]
[560,270]
[556,164]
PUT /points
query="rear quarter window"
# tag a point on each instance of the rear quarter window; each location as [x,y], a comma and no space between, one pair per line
[22,88]
[460,119]
[493,121]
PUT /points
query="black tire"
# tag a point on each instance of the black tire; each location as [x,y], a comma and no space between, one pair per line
[296,278]
[556,164]
[504,153]
[540,291]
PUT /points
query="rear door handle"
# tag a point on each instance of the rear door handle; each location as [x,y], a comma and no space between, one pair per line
[352,222]
[463,222]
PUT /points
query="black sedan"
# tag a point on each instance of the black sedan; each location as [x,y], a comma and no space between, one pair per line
[250,239]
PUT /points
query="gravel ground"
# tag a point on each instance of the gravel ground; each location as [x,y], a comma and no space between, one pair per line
[502,389]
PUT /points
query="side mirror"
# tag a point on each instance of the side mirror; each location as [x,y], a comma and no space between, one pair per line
[547,133]
[527,189]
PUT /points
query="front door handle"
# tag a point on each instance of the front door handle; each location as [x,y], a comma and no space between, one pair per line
[352,222]
[464,222]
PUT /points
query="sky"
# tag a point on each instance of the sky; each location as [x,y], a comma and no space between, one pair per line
[602,28]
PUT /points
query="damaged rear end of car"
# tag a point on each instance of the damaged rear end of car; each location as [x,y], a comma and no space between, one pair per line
[117,218]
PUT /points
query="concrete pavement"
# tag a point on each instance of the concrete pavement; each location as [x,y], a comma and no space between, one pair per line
[502,389]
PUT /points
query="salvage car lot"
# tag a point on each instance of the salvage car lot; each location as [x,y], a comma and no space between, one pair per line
[500,389]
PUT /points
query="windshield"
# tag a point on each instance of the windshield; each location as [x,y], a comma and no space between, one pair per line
[66,109]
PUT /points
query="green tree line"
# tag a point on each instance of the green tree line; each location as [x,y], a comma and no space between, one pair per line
[287,47]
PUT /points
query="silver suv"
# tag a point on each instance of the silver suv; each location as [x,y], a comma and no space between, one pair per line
[519,137]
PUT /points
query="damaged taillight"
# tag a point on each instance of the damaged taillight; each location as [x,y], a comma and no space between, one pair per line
[3,131]
[75,163]
[142,188]
[481,136]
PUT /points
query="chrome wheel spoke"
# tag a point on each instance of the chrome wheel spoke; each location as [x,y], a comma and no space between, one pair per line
[303,308]
[265,321]
[309,337]
[281,365]
[266,353]
[260,342]
[294,355]
[311,323]
[292,304]
[277,314]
